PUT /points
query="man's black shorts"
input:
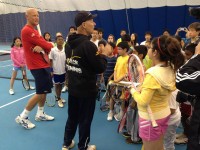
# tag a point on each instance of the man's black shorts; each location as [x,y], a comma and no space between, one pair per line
[43,80]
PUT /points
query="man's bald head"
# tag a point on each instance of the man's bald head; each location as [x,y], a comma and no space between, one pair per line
[30,10]
[32,16]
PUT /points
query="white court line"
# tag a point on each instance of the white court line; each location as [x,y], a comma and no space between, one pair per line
[16,100]
[5,66]
[6,60]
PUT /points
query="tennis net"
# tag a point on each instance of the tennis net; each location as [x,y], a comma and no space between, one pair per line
[6,67]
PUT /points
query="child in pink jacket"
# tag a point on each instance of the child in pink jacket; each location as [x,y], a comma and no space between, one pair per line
[17,56]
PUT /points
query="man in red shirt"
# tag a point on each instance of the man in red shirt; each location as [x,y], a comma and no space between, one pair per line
[35,47]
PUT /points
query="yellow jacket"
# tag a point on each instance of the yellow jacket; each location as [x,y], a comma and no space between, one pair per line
[156,89]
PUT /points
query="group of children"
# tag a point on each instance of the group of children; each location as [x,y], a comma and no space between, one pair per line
[168,55]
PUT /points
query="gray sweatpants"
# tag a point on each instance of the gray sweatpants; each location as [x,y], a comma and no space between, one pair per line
[170,136]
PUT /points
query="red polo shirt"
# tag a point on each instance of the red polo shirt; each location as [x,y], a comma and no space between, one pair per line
[30,39]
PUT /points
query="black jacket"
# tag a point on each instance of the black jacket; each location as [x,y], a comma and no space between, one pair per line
[83,63]
[188,81]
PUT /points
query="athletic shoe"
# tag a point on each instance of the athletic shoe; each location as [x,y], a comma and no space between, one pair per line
[60,103]
[69,147]
[181,141]
[44,117]
[126,135]
[91,147]
[32,87]
[104,107]
[26,123]
[63,100]
[118,117]
[110,116]
[180,135]
[11,91]
[130,141]
[64,89]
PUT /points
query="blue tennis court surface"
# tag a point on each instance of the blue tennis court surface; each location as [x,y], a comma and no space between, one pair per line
[49,135]
[5,47]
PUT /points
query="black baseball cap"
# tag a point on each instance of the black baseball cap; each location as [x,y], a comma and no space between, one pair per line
[83,16]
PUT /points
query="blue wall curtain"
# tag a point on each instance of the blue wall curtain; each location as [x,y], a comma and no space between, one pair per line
[111,21]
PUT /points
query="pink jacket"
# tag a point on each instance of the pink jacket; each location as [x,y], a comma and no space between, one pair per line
[17,56]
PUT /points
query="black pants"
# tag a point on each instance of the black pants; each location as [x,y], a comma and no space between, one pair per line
[80,114]
[185,123]
[194,131]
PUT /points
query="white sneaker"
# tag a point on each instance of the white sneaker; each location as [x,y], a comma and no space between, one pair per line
[26,123]
[64,89]
[91,147]
[118,117]
[11,91]
[60,103]
[44,117]
[110,116]
[63,100]
[69,147]
[32,87]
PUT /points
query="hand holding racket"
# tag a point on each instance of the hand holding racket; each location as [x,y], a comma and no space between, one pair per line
[136,75]
[42,52]
[45,57]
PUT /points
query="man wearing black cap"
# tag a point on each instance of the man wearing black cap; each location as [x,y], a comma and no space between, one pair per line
[83,63]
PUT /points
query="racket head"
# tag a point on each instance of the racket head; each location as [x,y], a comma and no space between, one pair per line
[25,84]
[135,69]
[51,98]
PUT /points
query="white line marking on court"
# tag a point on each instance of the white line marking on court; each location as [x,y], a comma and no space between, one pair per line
[6,60]
[5,66]
[16,100]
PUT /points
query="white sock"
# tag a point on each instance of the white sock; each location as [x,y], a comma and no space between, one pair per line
[111,111]
[40,111]
[25,114]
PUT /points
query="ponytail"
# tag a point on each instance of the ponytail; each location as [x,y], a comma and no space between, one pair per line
[169,50]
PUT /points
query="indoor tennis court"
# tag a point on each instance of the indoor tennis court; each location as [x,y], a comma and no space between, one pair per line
[133,16]
[49,135]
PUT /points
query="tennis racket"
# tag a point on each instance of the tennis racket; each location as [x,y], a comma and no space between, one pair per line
[43,54]
[136,75]
[25,82]
[45,57]
[51,98]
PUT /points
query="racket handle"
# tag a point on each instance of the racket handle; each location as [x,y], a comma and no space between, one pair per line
[42,52]
[39,30]
[23,72]
[154,124]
